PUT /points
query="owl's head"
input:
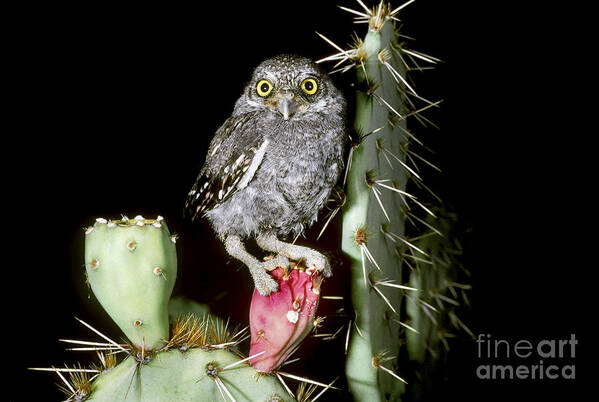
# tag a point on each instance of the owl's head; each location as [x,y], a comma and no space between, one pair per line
[289,86]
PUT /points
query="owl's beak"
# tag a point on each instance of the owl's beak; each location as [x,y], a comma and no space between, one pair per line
[287,106]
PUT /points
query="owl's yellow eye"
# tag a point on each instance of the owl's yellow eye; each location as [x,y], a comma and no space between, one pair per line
[309,86]
[264,87]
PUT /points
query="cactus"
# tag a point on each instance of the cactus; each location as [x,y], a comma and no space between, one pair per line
[441,292]
[380,215]
[131,266]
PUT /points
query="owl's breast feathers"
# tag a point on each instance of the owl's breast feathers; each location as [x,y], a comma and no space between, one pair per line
[299,162]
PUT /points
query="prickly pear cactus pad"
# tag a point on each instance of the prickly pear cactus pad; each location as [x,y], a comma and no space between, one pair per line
[194,375]
[199,362]
[131,266]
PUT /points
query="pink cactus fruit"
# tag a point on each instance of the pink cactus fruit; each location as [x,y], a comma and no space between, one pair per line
[281,320]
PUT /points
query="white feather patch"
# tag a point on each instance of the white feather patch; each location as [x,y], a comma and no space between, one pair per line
[254,165]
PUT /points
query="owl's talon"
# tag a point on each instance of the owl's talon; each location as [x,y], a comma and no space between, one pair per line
[264,283]
[279,261]
[320,263]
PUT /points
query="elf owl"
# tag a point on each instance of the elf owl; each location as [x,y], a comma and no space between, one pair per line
[272,165]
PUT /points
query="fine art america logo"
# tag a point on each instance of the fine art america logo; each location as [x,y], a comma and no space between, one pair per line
[546,359]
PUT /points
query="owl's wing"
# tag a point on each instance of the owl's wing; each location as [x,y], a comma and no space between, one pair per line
[234,155]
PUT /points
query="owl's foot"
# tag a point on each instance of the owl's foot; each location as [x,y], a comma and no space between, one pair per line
[314,259]
[276,262]
[264,283]
[311,258]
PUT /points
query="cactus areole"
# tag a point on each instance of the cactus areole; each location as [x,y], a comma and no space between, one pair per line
[281,320]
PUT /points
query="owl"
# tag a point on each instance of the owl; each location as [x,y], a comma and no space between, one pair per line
[272,165]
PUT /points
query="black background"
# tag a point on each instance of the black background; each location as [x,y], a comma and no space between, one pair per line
[113,109]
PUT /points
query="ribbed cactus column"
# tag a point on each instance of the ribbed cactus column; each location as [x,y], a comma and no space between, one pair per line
[131,265]
[374,206]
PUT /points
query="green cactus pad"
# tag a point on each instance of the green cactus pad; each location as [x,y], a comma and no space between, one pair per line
[188,376]
[131,265]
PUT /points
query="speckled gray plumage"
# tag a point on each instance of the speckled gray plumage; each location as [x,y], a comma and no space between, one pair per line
[265,175]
